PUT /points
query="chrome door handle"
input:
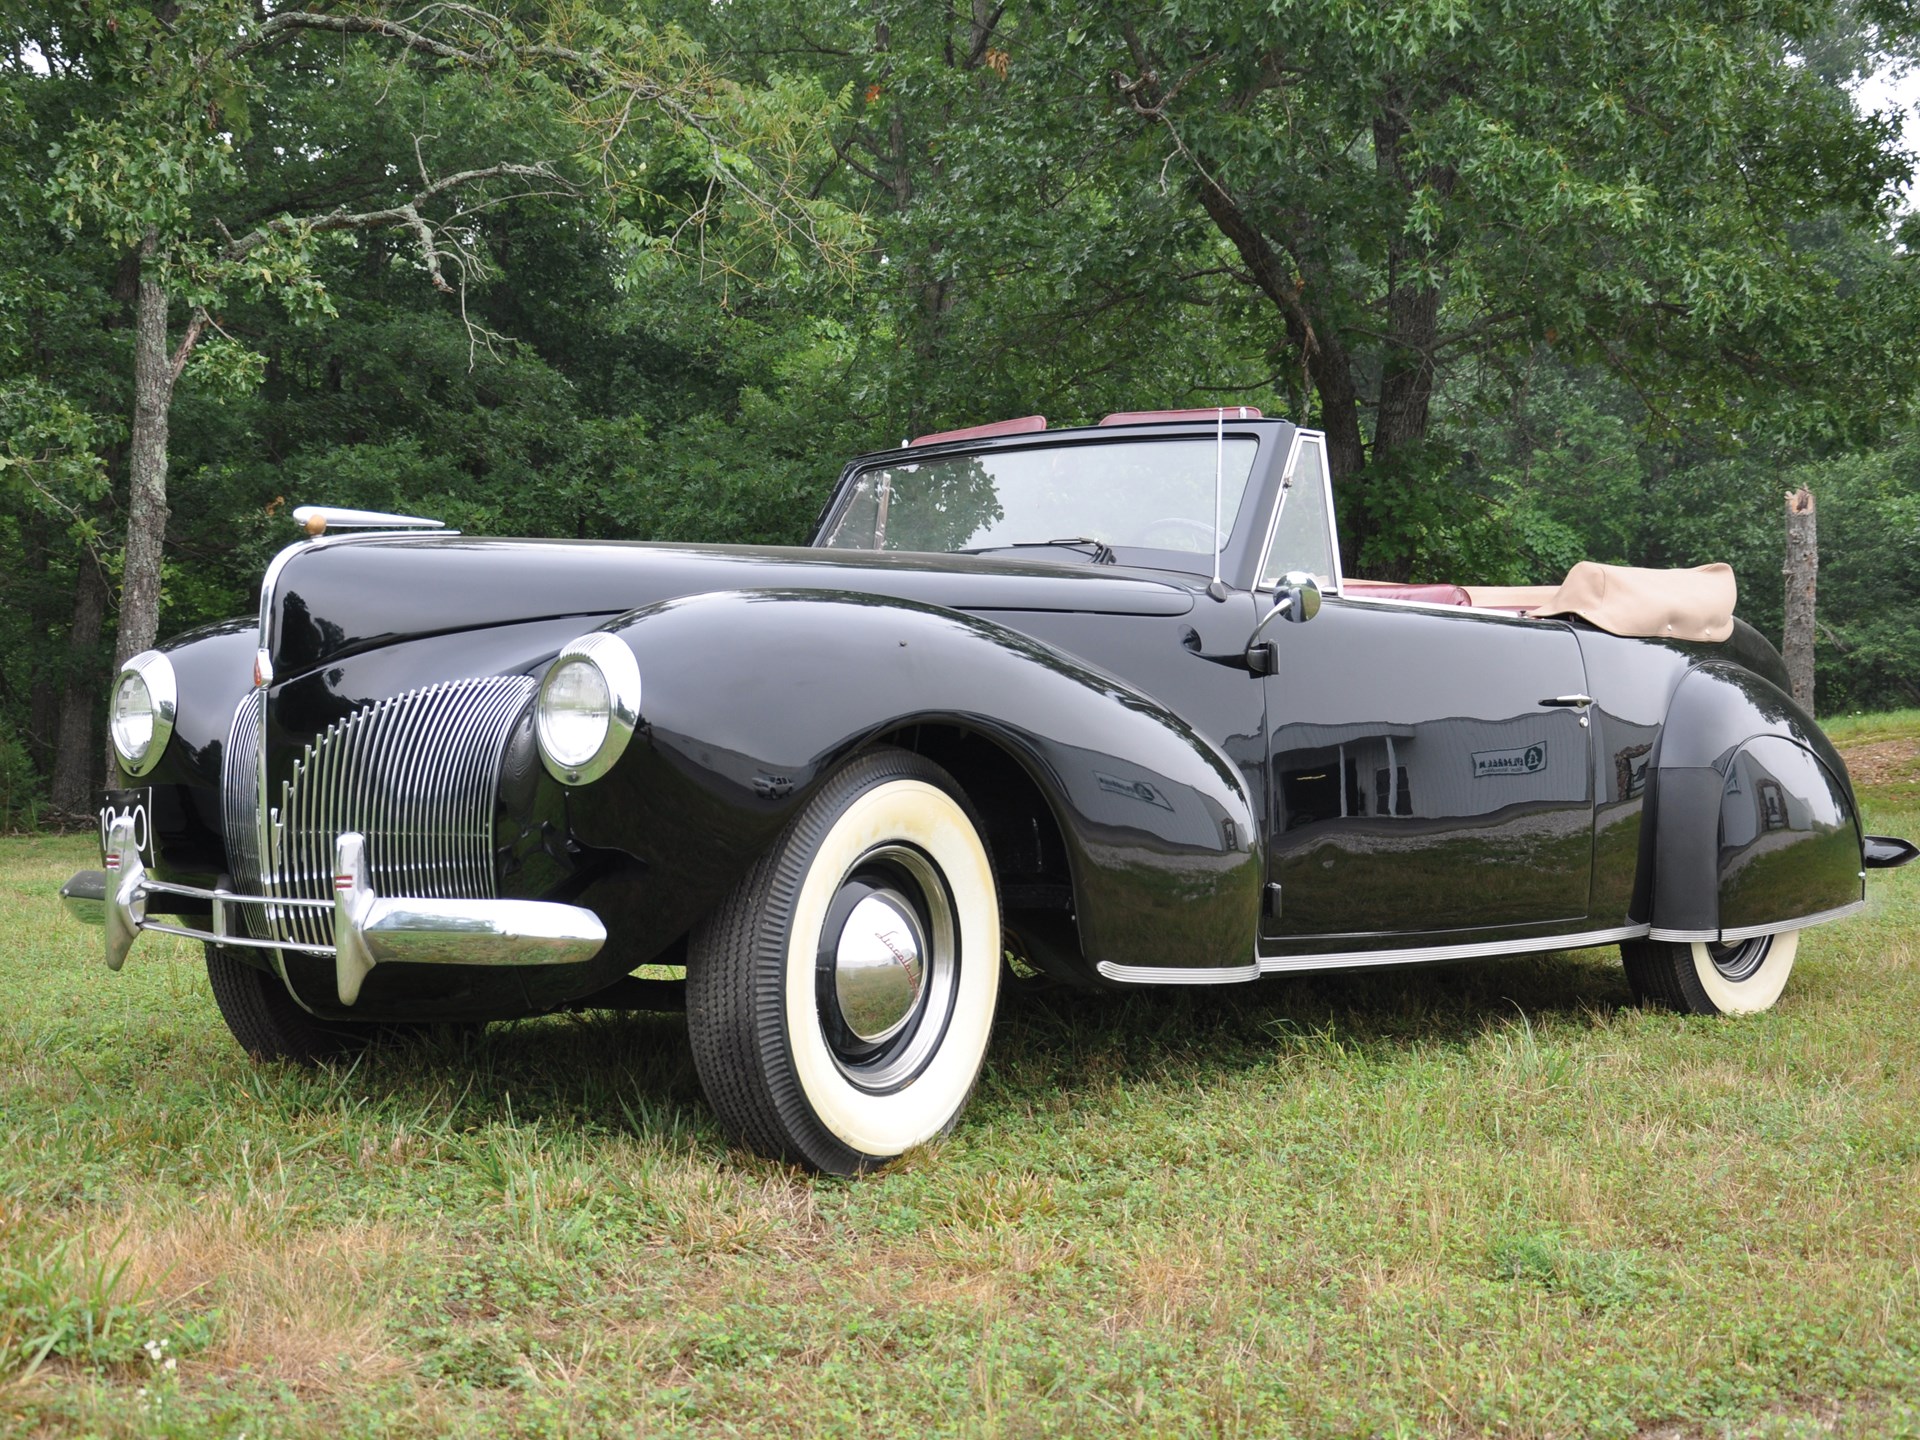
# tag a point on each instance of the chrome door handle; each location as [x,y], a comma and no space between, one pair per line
[1569,702]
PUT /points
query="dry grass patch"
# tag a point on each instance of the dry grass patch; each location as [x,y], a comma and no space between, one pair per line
[303,1306]
[1883,762]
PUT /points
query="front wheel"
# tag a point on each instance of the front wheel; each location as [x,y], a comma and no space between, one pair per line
[271,1025]
[267,1021]
[1704,977]
[840,999]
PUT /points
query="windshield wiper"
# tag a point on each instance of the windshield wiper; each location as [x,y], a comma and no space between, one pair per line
[1101,552]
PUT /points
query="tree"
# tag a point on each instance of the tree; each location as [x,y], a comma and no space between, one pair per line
[216,156]
[1424,185]
[218,150]
[1018,261]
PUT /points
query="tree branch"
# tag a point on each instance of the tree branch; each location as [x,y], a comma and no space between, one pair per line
[588,72]
[405,216]
[195,328]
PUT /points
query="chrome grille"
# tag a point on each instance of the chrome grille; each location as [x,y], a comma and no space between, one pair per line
[416,774]
[240,798]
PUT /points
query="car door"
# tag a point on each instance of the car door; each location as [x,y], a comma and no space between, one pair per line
[1422,778]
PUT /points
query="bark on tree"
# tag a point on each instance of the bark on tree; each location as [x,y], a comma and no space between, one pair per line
[76,761]
[153,380]
[1802,571]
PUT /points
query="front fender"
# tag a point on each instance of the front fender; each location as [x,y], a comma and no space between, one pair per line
[750,699]
[1755,825]
[213,668]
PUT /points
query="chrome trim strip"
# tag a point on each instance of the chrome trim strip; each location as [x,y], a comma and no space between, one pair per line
[1176,975]
[222,896]
[1839,912]
[1424,954]
[1363,959]
[338,517]
[237,942]
[1682,936]
[1360,597]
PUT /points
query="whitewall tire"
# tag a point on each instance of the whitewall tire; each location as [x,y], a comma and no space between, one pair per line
[1704,978]
[840,1000]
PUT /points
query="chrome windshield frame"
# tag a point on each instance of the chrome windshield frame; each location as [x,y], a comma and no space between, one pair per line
[1301,439]
[1243,511]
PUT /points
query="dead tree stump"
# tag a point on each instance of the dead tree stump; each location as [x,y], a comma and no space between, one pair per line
[1802,571]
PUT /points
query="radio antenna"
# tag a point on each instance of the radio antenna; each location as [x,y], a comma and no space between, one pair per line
[1217,590]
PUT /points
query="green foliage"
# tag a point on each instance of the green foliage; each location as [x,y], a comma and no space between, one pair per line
[1573,472]
[21,795]
[69,1301]
[1660,249]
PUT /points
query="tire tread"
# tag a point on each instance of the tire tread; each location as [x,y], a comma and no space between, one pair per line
[736,963]
[265,1019]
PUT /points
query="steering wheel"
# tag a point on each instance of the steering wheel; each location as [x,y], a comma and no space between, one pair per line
[1200,530]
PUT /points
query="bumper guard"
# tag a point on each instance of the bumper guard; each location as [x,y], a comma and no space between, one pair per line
[368,928]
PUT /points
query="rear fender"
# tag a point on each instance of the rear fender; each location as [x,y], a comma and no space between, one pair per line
[1755,828]
[750,699]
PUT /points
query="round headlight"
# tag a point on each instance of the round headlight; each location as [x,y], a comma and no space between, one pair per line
[140,714]
[588,707]
[575,710]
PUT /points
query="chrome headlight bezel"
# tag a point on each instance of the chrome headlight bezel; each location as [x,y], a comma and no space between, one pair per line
[153,671]
[620,672]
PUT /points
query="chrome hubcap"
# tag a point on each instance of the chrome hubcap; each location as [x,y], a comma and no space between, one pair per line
[879,966]
[1740,960]
[888,966]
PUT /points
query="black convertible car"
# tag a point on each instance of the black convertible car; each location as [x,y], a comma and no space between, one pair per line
[1099,699]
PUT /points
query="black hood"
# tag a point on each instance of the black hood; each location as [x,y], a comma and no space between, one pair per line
[337,597]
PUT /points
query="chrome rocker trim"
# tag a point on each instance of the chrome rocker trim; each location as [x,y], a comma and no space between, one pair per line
[1428,954]
[1751,932]
[1362,959]
[369,928]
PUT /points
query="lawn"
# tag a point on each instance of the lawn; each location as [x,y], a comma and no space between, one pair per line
[1479,1199]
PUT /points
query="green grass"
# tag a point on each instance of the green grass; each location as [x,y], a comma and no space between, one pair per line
[1485,1199]
[1856,729]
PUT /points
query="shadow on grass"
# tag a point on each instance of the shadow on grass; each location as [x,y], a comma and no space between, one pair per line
[1188,1034]
[633,1074]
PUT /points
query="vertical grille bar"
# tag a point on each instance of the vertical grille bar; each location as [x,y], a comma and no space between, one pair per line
[240,805]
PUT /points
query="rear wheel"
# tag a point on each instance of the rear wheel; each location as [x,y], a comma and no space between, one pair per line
[1705,977]
[840,999]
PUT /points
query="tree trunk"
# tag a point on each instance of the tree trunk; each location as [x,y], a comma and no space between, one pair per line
[1802,570]
[153,380]
[77,767]
[1407,371]
[1328,362]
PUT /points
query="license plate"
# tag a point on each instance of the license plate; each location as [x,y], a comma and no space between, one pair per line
[135,803]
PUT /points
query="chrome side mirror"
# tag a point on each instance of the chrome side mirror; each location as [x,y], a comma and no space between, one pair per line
[1298,601]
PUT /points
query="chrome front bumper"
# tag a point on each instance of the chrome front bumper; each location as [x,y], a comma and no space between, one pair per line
[368,928]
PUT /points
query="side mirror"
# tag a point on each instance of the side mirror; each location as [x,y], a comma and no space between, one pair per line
[1299,597]
[1298,601]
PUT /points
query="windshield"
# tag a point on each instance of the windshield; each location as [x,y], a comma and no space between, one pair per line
[1154,494]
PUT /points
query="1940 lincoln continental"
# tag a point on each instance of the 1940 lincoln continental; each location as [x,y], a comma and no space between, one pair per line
[1099,699]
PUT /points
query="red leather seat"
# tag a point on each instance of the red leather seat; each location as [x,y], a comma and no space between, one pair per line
[1440,594]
